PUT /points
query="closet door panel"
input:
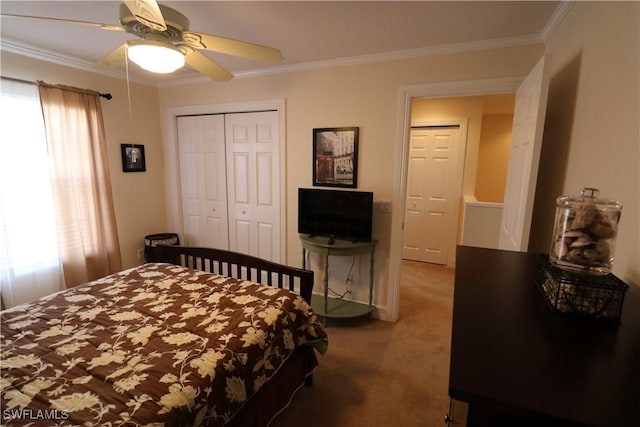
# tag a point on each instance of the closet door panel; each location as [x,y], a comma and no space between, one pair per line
[241,176]
[265,239]
[203,181]
[252,146]
[265,174]
[242,236]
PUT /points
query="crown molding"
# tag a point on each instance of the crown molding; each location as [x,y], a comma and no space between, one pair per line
[56,58]
[368,59]
[34,52]
[478,45]
[557,17]
[404,54]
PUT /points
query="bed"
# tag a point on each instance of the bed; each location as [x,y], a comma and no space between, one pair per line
[193,339]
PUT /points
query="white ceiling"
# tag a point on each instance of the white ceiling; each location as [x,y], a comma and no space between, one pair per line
[308,33]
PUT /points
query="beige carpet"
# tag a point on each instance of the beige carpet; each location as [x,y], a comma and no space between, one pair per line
[378,373]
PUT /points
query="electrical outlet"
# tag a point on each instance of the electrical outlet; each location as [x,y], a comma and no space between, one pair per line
[383,206]
[140,254]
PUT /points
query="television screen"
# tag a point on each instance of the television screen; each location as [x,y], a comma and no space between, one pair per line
[335,213]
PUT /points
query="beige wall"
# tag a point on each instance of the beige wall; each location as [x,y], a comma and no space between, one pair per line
[138,197]
[592,129]
[493,157]
[360,95]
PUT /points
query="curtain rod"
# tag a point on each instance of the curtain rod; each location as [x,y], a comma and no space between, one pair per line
[103,95]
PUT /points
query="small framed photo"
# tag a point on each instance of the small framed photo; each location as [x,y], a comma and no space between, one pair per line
[335,157]
[133,158]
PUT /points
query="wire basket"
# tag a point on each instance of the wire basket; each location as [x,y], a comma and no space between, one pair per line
[581,295]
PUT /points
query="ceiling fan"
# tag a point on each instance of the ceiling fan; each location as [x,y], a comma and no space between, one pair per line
[166,42]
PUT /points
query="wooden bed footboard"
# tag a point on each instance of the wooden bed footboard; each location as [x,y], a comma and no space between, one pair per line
[240,266]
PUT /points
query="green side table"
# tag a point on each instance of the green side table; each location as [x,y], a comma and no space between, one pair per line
[336,307]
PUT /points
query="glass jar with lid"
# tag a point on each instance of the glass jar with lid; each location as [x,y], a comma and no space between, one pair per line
[584,233]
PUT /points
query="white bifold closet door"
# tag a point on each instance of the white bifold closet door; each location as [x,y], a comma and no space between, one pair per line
[230,182]
[431,188]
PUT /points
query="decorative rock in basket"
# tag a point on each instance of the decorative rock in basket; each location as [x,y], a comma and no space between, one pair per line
[594,297]
[576,278]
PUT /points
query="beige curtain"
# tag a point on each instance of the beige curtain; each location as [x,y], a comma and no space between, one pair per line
[87,235]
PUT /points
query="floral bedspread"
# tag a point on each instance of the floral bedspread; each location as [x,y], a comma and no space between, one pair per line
[154,345]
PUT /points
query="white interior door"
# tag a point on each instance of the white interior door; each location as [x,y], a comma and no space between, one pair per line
[203,181]
[431,189]
[522,172]
[253,183]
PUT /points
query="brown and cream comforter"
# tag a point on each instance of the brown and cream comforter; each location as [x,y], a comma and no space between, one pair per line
[156,344]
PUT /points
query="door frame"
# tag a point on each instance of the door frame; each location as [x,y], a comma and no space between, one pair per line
[406,94]
[172,167]
[462,125]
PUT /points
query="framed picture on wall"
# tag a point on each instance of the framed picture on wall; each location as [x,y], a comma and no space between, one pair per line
[335,157]
[133,158]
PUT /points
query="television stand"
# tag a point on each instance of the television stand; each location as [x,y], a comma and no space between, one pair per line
[325,306]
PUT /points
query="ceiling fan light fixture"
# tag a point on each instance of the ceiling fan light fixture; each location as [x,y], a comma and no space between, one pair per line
[156,57]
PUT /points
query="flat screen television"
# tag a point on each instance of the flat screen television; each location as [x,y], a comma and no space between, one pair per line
[337,214]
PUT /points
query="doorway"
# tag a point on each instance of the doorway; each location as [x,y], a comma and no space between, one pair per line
[528,122]
[407,94]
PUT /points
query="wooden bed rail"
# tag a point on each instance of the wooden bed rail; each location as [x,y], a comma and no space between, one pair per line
[240,266]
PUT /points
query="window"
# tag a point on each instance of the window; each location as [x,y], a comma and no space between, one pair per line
[29,262]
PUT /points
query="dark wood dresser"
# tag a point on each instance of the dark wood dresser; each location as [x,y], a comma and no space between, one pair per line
[516,363]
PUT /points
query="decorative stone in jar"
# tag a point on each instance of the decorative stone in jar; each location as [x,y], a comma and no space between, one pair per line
[584,233]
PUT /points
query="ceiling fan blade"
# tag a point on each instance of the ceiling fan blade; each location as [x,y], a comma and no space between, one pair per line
[147,12]
[233,47]
[115,58]
[68,21]
[206,66]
